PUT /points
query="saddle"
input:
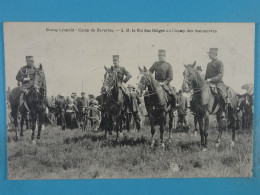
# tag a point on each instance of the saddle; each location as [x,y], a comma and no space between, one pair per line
[215,93]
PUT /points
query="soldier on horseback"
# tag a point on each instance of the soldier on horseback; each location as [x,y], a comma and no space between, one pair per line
[121,73]
[26,76]
[164,74]
[214,75]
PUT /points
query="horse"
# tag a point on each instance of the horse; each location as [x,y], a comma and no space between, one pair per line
[114,103]
[157,102]
[34,103]
[206,103]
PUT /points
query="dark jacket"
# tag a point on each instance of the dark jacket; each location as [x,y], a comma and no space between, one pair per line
[134,101]
[215,71]
[163,71]
[26,72]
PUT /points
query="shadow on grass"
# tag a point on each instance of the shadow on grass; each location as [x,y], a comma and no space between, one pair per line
[107,142]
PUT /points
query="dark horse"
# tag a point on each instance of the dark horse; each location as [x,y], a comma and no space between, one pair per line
[157,102]
[34,103]
[207,103]
[114,106]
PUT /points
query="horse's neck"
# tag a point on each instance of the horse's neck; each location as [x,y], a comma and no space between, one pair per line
[199,83]
[153,85]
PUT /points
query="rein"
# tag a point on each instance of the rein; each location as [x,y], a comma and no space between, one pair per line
[154,91]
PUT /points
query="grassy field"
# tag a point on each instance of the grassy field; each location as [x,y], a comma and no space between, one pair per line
[73,154]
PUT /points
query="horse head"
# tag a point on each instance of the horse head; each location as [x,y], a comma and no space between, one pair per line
[110,80]
[39,85]
[189,75]
[145,80]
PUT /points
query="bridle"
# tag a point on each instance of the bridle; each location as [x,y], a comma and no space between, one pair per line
[195,89]
[148,93]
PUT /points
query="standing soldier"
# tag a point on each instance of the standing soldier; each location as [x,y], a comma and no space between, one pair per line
[91,98]
[26,76]
[214,74]
[163,74]
[61,109]
[133,104]
[82,104]
[182,107]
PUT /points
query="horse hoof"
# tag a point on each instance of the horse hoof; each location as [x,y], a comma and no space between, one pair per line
[33,142]
[217,145]
[21,135]
[204,149]
[163,145]
[232,144]
[195,133]
[38,137]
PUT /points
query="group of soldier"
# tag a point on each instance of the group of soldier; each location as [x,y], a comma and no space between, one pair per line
[73,108]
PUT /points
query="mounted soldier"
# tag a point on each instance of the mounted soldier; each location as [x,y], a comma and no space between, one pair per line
[164,74]
[214,75]
[122,74]
[26,76]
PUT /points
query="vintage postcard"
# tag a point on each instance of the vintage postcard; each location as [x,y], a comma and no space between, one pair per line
[129,100]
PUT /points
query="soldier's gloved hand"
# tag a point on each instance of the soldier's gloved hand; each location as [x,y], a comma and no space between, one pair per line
[161,83]
[209,80]
[26,79]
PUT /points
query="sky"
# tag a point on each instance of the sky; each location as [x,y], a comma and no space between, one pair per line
[73,59]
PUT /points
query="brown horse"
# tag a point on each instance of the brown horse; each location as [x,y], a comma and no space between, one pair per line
[157,102]
[34,103]
[206,103]
[114,103]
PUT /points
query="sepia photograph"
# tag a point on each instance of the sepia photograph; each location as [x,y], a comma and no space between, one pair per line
[129,100]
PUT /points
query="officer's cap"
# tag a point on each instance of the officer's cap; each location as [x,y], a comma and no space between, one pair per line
[73,94]
[115,57]
[162,51]
[29,58]
[83,93]
[213,50]
[91,95]
[60,94]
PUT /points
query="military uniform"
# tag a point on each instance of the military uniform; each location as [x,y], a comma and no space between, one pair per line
[133,104]
[164,74]
[215,72]
[26,76]
[61,110]
[182,107]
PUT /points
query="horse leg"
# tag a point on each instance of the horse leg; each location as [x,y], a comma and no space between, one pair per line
[233,127]
[200,121]
[117,119]
[161,134]
[33,126]
[151,118]
[206,127]
[170,124]
[220,130]
[14,114]
[22,124]
[40,125]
